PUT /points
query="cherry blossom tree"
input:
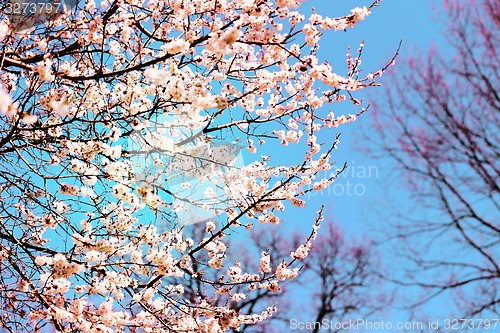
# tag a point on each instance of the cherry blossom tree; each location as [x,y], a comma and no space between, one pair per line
[439,124]
[110,110]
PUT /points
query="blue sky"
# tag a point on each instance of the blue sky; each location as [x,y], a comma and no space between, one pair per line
[358,196]
[382,31]
[390,22]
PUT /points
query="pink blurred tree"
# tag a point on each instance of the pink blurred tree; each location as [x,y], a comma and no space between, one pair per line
[440,124]
[338,280]
[344,280]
